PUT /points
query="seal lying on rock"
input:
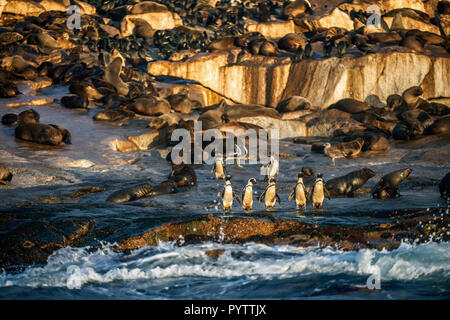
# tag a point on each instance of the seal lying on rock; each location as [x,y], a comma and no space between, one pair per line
[182,175]
[27,116]
[150,106]
[43,133]
[412,96]
[444,186]
[350,106]
[5,174]
[347,184]
[74,102]
[114,115]
[440,126]
[292,104]
[140,191]
[387,187]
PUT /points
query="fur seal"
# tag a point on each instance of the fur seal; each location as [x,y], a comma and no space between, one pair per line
[373,141]
[268,48]
[292,41]
[228,194]
[417,121]
[150,106]
[293,103]
[270,194]
[9,119]
[8,89]
[85,89]
[247,194]
[5,174]
[411,96]
[144,190]
[387,187]
[349,183]
[182,175]
[444,186]
[396,102]
[43,133]
[300,193]
[114,115]
[74,101]
[435,108]
[27,116]
[440,126]
[112,75]
[181,103]
[296,8]
[350,106]
[384,37]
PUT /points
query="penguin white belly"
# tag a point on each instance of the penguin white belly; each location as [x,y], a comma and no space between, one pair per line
[318,195]
[247,202]
[300,197]
[219,171]
[270,199]
[228,198]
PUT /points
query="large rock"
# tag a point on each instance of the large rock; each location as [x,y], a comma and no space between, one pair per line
[296,233]
[268,80]
[272,29]
[23,8]
[160,19]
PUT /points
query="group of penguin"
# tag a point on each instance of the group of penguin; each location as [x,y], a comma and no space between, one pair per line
[270,195]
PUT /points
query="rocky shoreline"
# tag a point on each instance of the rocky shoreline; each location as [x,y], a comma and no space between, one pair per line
[316,73]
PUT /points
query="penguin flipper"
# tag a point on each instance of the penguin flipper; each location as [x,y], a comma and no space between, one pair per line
[213,168]
[291,196]
[237,197]
[278,198]
[262,196]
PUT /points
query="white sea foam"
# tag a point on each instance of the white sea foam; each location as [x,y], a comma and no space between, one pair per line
[75,267]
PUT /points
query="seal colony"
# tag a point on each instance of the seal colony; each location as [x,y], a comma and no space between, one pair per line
[101,65]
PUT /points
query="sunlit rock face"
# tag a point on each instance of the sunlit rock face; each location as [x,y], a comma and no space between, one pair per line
[272,29]
[23,8]
[268,80]
[160,19]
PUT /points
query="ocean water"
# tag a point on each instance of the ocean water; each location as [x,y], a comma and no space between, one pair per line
[248,271]
[46,177]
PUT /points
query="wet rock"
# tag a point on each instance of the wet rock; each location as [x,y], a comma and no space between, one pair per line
[274,231]
[444,186]
[156,137]
[30,242]
[23,8]
[158,18]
